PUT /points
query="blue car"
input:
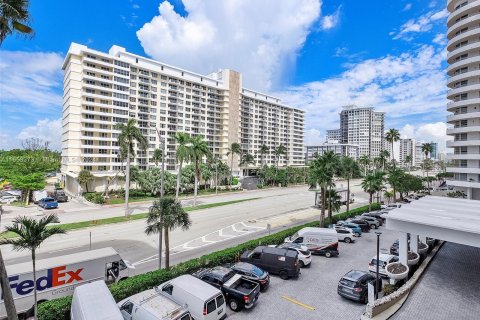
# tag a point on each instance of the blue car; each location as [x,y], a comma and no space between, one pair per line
[48,203]
[355,227]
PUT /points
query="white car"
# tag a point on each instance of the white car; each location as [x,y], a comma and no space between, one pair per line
[8,199]
[383,261]
[304,255]
[345,234]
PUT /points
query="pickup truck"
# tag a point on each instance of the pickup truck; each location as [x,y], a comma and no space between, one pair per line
[239,291]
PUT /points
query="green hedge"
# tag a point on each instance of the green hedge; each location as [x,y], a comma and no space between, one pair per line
[59,309]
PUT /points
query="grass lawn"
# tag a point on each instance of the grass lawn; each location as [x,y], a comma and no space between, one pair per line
[99,222]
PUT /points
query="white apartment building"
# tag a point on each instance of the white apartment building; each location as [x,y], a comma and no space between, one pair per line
[407,148]
[333,135]
[464,84]
[419,154]
[396,150]
[363,126]
[103,89]
[341,149]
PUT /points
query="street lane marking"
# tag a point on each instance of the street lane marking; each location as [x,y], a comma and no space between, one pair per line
[303,305]
[251,226]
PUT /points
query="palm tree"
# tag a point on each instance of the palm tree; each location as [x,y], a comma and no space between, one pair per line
[348,167]
[388,195]
[408,160]
[198,150]
[279,151]
[427,148]
[7,291]
[427,166]
[263,151]
[334,203]
[395,176]
[365,162]
[382,157]
[392,136]
[157,158]
[13,16]
[235,149]
[30,234]
[169,214]
[182,155]
[128,134]
[372,183]
[84,178]
[247,159]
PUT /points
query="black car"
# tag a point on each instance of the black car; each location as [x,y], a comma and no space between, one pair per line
[253,273]
[394,247]
[376,215]
[354,285]
[279,261]
[60,195]
[364,225]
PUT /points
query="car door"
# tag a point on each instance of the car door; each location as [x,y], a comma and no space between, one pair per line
[257,258]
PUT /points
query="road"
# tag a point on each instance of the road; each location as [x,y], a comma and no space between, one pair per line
[211,229]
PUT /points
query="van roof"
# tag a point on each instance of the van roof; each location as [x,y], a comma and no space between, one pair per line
[195,286]
[26,267]
[317,230]
[277,251]
[96,302]
[156,304]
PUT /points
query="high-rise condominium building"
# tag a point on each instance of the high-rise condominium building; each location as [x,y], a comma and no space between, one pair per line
[333,135]
[363,126]
[103,89]
[419,154]
[464,83]
[434,153]
[340,149]
[407,149]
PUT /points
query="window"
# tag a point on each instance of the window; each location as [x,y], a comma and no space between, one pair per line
[127,307]
[211,306]
[220,301]
[168,289]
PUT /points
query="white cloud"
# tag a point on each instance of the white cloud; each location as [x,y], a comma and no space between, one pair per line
[47,130]
[31,78]
[427,132]
[440,39]
[313,137]
[407,7]
[422,24]
[258,38]
[331,21]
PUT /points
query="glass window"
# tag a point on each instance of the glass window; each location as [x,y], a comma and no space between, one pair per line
[220,301]
[127,307]
[211,306]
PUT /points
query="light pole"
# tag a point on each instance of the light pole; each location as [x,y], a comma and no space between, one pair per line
[216,175]
[160,234]
[378,261]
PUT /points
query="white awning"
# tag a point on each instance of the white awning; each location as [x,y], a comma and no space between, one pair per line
[449,219]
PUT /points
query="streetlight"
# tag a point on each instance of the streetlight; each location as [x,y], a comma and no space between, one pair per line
[378,261]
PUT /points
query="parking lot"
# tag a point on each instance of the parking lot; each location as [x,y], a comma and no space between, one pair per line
[314,294]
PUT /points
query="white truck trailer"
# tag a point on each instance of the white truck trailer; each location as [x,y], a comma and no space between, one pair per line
[58,276]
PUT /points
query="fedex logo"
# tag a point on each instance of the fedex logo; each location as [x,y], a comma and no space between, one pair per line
[55,277]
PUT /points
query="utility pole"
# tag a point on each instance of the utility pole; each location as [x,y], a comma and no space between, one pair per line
[378,261]
[216,175]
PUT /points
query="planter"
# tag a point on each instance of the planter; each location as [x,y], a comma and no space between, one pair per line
[413,258]
[422,248]
[396,271]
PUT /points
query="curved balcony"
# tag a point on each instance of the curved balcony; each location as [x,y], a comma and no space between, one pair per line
[468,9]
[452,92]
[463,170]
[462,24]
[463,63]
[465,143]
[463,76]
[462,103]
[465,184]
[465,156]
[462,37]
[463,129]
[463,116]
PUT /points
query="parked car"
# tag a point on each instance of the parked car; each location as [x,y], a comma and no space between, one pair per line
[203,301]
[279,261]
[8,199]
[377,215]
[39,195]
[323,241]
[364,225]
[345,234]
[406,200]
[355,227]
[304,255]
[238,290]
[252,272]
[354,285]
[373,222]
[48,203]
[384,259]
[60,195]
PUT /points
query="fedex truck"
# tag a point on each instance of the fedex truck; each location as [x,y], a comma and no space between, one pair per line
[57,277]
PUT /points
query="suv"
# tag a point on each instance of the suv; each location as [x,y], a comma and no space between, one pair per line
[377,215]
[362,224]
[304,255]
[355,227]
[384,260]
[345,234]
[60,195]
[252,273]
[354,285]
[373,222]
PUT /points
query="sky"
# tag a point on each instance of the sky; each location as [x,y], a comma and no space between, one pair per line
[315,55]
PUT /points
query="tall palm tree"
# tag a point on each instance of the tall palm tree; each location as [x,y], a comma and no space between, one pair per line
[427,165]
[348,167]
[427,148]
[182,155]
[247,159]
[279,151]
[84,178]
[408,161]
[30,234]
[235,149]
[395,175]
[13,18]
[198,150]
[129,134]
[263,151]
[322,170]
[169,214]
[382,157]
[365,162]
[7,291]
[372,183]
[392,136]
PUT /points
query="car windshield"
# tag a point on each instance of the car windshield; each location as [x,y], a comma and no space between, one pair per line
[305,252]
[294,236]
[49,200]
[382,263]
[257,271]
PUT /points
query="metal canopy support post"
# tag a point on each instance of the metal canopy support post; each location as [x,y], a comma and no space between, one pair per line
[403,248]
[414,242]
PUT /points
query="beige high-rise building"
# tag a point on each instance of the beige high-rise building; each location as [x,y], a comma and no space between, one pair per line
[102,89]
[464,83]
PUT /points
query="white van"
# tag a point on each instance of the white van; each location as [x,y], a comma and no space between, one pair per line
[204,301]
[58,276]
[322,241]
[93,301]
[151,305]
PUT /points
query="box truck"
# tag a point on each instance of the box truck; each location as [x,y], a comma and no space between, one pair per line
[58,276]
[93,301]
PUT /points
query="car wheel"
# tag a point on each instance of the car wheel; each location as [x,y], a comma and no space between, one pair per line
[233,304]
[358,234]
[348,240]
[283,275]
[376,227]
[328,254]
[302,264]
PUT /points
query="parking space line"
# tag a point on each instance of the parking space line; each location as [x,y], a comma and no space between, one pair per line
[303,305]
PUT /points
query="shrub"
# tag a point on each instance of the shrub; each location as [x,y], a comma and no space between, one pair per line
[234,181]
[58,309]
[94,197]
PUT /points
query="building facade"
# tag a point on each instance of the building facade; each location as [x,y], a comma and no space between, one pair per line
[464,83]
[407,149]
[434,153]
[103,89]
[340,149]
[419,154]
[333,135]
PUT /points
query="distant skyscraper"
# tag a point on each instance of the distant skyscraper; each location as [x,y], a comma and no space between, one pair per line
[334,135]
[434,153]
[407,148]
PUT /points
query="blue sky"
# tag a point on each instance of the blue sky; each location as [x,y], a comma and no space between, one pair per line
[316,55]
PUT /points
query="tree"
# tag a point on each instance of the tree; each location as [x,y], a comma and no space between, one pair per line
[157,158]
[169,214]
[395,175]
[408,161]
[30,234]
[235,149]
[279,151]
[365,162]
[348,168]
[382,158]
[372,183]
[427,148]
[129,134]
[263,151]
[13,18]
[182,155]
[150,180]
[28,183]
[7,291]
[388,195]
[247,159]
[84,178]
[334,203]
[198,150]
[392,136]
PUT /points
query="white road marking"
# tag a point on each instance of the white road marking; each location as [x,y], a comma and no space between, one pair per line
[251,226]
